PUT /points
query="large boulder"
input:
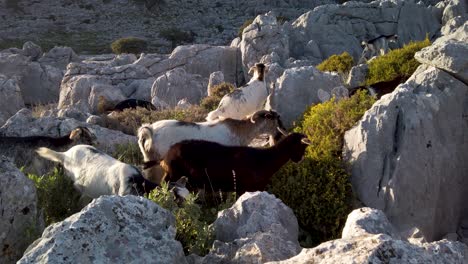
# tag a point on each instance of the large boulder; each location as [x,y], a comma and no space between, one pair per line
[19,220]
[177,84]
[32,50]
[59,57]
[256,229]
[126,229]
[11,96]
[399,150]
[264,36]
[299,88]
[368,237]
[333,29]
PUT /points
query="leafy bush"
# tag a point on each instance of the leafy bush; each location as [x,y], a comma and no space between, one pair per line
[128,153]
[195,235]
[241,29]
[318,189]
[129,45]
[398,63]
[218,91]
[338,63]
[134,118]
[56,196]
[177,36]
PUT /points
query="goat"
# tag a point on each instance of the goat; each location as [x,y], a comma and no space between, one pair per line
[245,100]
[376,46]
[231,168]
[21,148]
[133,103]
[95,173]
[155,139]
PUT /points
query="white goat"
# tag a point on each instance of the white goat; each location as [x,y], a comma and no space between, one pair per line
[245,100]
[155,139]
[95,173]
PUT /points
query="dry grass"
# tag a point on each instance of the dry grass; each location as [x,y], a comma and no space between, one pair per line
[39,109]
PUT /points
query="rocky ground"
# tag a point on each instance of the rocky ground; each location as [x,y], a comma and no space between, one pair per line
[407,154]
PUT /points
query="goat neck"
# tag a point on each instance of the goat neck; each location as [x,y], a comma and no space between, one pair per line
[245,128]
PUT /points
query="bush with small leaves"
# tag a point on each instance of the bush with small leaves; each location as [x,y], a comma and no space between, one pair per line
[396,64]
[318,189]
[211,102]
[337,63]
[129,45]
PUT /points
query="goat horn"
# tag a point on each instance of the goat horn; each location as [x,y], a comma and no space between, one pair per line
[306,141]
[282,131]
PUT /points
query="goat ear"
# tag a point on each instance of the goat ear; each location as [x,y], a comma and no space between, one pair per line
[76,133]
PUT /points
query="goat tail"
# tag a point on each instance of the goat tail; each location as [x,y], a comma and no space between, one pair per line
[50,155]
[213,115]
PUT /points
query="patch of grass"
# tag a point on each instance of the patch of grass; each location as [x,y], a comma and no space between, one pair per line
[337,63]
[56,196]
[128,153]
[398,63]
[129,45]
[38,110]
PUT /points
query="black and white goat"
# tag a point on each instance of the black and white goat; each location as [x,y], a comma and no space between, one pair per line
[217,167]
[95,173]
[376,46]
[245,100]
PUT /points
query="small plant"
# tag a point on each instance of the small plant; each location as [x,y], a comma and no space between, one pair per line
[282,19]
[338,63]
[218,91]
[195,235]
[129,45]
[177,36]
[128,153]
[398,63]
[56,196]
[241,29]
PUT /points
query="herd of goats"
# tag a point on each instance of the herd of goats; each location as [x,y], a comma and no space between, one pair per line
[211,155]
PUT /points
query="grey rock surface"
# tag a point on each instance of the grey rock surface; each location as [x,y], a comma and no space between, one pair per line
[11,98]
[365,221]
[110,229]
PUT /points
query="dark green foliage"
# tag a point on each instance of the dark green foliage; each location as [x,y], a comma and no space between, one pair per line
[56,196]
[129,45]
[241,29]
[177,36]
[338,63]
[318,189]
[282,19]
[218,91]
[398,63]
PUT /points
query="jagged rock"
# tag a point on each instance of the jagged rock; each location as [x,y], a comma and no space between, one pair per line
[201,60]
[11,96]
[123,229]
[445,53]
[177,84]
[215,79]
[32,50]
[104,97]
[123,59]
[19,220]
[398,153]
[453,9]
[357,76]
[453,24]
[380,249]
[297,89]
[264,36]
[338,28]
[59,57]
[256,229]
[364,221]
[76,91]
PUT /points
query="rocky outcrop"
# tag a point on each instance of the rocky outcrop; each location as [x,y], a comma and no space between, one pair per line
[176,85]
[256,229]
[215,79]
[11,96]
[19,218]
[368,237]
[123,229]
[299,88]
[357,76]
[408,153]
[59,57]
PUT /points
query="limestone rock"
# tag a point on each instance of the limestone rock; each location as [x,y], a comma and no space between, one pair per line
[19,220]
[11,96]
[123,59]
[59,57]
[126,229]
[177,84]
[365,221]
[453,9]
[104,97]
[76,91]
[32,50]
[297,89]
[215,79]
[357,76]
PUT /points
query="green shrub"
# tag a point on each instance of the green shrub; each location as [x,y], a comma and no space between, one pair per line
[56,196]
[177,36]
[398,63]
[195,235]
[129,45]
[318,189]
[338,63]
[128,153]
[218,91]
[282,19]
[241,29]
